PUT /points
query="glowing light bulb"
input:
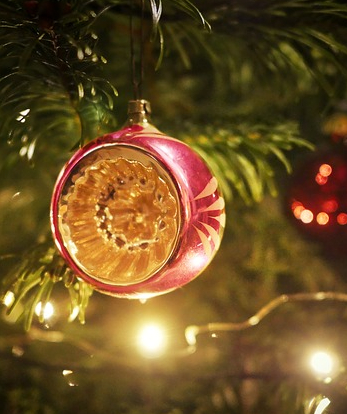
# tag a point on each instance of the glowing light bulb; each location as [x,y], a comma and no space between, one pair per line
[298,210]
[342,219]
[322,363]
[69,376]
[152,341]
[320,179]
[323,404]
[8,299]
[306,216]
[47,312]
[325,170]
[322,218]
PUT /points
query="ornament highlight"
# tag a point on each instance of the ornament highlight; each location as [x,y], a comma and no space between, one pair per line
[136,213]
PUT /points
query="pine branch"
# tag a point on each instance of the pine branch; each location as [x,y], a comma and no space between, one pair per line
[49,76]
[271,41]
[32,281]
[242,156]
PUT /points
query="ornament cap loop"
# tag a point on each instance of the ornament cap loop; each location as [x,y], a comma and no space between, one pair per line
[139,112]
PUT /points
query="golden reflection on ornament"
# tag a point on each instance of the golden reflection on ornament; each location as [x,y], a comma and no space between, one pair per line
[121,219]
[69,376]
[322,218]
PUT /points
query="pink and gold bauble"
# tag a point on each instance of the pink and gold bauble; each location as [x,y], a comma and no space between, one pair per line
[136,213]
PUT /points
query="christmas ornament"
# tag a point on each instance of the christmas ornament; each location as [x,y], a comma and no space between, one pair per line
[136,213]
[317,199]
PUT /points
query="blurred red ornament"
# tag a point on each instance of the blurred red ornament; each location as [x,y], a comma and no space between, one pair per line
[136,213]
[317,199]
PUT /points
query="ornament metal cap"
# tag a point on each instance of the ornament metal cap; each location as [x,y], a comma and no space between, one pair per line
[139,112]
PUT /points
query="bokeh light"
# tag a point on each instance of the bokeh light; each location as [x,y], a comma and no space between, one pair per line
[325,170]
[342,219]
[306,216]
[320,179]
[8,299]
[322,363]
[323,404]
[322,218]
[47,312]
[152,341]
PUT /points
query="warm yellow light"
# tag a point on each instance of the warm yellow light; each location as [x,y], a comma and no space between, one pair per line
[47,312]
[8,299]
[306,216]
[322,218]
[152,341]
[322,363]
[323,404]
[298,210]
[325,170]
[342,219]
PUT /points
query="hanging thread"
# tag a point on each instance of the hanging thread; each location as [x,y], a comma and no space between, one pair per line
[137,73]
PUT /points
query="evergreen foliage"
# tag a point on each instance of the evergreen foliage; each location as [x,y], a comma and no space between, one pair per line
[248,84]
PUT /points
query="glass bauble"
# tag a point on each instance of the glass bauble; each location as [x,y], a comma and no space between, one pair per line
[136,213]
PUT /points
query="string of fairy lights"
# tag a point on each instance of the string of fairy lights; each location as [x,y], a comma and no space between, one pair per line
[152,340]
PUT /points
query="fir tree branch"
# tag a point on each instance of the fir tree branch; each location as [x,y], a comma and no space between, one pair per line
[52,72]
[32,281]
[240,156]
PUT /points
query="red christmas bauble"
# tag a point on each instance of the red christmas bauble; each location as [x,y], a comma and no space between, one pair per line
[136,213]
[317,199]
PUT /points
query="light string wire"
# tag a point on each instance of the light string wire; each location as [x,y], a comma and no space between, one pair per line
[192,331]
[107,358]
[137,74]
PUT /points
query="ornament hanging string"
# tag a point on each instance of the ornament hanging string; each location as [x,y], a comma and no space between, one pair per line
[137,74]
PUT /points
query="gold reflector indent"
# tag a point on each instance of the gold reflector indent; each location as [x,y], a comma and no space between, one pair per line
[119,218]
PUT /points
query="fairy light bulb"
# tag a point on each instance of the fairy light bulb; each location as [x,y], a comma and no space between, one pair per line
[47,311]
[322,363]
[152,341]
[8,299]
